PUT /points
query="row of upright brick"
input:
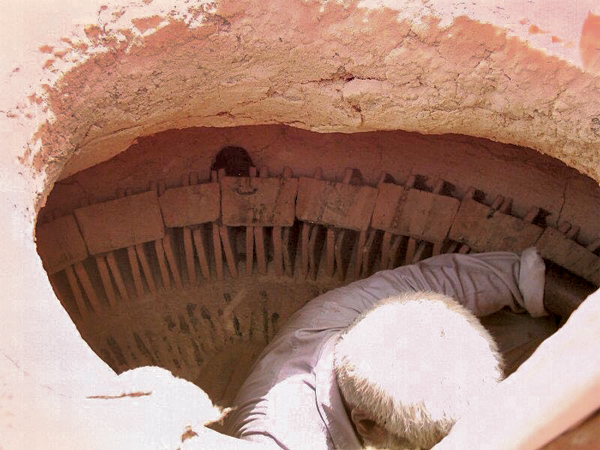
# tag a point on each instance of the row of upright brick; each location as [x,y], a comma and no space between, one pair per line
[259,201]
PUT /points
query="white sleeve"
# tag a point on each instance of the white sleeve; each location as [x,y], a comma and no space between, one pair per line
[484,282]
[532,275]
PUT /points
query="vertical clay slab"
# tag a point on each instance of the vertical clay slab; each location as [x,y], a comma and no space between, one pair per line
[249,201]
[483,228]
[335,204]
[121,223]
[556,247]
[60,244]
[415,213]
[190,205]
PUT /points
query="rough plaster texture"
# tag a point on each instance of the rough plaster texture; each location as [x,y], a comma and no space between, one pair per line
[326,67]
[80,82]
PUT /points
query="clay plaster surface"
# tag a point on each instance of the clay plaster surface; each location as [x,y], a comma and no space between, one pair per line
[332,66]
[84,81]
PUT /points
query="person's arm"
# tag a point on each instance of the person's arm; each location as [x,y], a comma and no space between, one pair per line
[482,282]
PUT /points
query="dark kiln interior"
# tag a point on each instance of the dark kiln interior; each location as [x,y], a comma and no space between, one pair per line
[161,261]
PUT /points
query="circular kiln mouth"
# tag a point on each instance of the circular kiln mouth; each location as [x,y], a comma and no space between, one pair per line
[197,273]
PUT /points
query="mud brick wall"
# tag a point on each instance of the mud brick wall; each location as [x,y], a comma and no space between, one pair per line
[197,272]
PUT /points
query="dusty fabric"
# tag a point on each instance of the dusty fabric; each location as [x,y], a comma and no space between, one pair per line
[291,400]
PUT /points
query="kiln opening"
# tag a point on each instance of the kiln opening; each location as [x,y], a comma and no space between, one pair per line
[181,254]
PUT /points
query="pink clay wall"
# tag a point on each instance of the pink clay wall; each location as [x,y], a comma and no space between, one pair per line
[82,81]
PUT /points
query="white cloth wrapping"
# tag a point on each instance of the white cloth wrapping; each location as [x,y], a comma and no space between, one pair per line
[291,400]
[531,275]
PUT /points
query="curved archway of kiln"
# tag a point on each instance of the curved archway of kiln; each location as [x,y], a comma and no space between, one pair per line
[161,260]
[144,68]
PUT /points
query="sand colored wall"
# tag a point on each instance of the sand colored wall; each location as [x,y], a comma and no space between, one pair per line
[80,82]
[337,66]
